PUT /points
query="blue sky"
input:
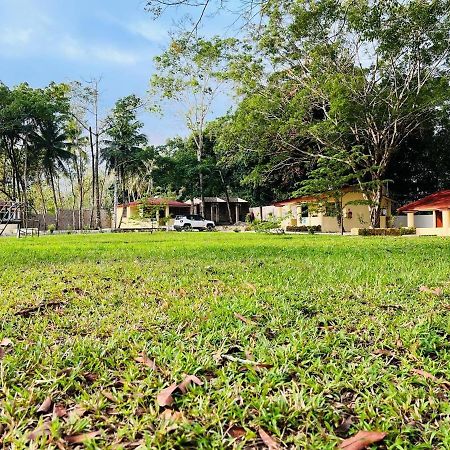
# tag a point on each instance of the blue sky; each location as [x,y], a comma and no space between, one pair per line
[62,40]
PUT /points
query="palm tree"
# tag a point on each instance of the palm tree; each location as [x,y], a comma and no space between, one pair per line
[51,141]
[121,152]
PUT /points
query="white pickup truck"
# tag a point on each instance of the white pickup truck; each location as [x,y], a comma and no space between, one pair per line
[193,222]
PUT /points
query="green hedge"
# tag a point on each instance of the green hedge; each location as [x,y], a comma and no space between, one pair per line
[304,229]
[386,231]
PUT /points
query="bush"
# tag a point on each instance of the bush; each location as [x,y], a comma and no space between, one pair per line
[305,229]
[386,231]
[51,228]
[264,227]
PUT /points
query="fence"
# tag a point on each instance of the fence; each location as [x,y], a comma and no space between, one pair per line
[69,219]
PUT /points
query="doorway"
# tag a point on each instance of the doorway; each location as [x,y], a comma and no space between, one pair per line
[439,223]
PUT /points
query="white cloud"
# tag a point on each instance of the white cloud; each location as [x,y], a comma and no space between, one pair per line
[73,49]
[116,55]
[149,30]
[15,37]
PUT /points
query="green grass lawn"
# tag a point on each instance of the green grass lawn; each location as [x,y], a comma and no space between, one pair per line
[336,329]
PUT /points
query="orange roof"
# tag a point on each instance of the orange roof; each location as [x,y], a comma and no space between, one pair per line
[438,200]
[160,201]
[313,198]
[303,199]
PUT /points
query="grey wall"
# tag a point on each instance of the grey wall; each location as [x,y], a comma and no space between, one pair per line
[66,220]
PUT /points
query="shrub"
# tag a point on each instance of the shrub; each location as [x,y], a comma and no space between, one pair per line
[304,229]
[264,227]
[386,231]
[51,228]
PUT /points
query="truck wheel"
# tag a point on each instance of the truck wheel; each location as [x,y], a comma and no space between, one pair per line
[209,227]
[187,227]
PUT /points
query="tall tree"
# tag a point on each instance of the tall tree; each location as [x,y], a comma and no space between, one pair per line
[352,80]
[51,140]
[121,151]
[191,73]
[76,169]
[86,110]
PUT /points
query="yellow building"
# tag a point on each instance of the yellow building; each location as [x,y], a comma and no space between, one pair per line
[318,210]
[151,213]
[437,205]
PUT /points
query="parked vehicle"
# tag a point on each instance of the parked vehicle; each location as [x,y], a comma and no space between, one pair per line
[193,222]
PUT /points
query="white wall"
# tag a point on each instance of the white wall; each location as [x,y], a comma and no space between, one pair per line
[420,221]
[11,230]
[266,211]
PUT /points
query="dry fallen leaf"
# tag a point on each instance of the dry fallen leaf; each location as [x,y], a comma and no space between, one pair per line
[434,291]
[169,415]
[268,440]
[430,376]
[165,398]
[109,396]
[39,431]
[144,359]
[424,374]
[77,412]
[183,386]
[244,319]
[80,438]
[344,426]
[6,342]
[236,432]
[362,440]
[383,352]
[59,411]
[90,377]
[46,405]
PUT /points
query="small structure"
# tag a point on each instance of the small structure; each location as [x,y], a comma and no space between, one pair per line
[216,209]
[436,205]
[149,213]
[318,210]
[11,215]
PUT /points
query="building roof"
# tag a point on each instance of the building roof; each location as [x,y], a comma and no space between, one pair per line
[295,200]
[317,197]
[197,201]
[160,201]
[438,200]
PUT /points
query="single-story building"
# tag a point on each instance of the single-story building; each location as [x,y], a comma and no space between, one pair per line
[437,206]
[10,217]
[151,213]
[216,209]
[314,210]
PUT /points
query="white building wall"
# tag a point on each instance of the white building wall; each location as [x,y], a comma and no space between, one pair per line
[420,221]
[11,230]
[266,210]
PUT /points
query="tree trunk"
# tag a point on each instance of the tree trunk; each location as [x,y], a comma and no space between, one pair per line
[375,206]
[116,199]
[227,196]
[44,206]
[98,221]
[200,174]
[91,145]
[55,200]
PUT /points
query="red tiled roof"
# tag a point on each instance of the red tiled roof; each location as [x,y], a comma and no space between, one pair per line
[304,198]
[313,198]
[160,201]
[438,200]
